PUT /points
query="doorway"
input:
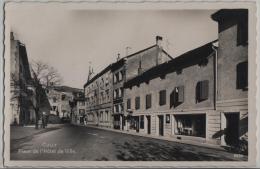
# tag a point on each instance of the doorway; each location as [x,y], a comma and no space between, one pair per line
[232,129]
[160,117]
[148,124]
[137,123]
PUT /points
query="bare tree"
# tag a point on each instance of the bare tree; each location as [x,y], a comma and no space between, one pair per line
[46,74]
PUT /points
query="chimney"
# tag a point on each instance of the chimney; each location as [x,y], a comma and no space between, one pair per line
[159,41]
[11,35]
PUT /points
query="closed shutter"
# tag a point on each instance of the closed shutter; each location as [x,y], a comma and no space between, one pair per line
[148,101]
[137,103]
[128,103]
[242,75]
[162,97]
[204,90]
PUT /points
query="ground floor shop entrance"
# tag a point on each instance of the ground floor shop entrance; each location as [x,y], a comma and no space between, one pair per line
[148,118]
[160,117]
[190,125]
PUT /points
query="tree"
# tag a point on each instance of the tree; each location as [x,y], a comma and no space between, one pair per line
[46,74]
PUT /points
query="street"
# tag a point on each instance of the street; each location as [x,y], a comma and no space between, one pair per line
[67,142]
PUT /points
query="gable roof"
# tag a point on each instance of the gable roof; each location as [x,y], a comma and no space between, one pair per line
[120,61]
[187,59]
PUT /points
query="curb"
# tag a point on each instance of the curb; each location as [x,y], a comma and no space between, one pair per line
[205,145]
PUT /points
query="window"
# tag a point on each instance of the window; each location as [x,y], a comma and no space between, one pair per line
[122,106]
[177,96]
[142,122]
[107,116]
[63,97]
[128,104]
[162,97]
[53,108]
[81,103]
[54,99]
[202,90]
[81,112]
[242,75]
[148,101]
[168,120]
[137,103]
[119,76]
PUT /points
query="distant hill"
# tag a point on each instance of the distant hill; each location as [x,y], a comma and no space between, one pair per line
[66,89]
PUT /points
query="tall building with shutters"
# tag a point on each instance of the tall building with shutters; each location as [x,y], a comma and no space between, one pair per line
[232,75]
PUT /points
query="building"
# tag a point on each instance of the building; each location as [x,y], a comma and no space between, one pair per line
[105,97]
[174,99]
[232,102]
[118,70]
[200,95]
[59,98]
[25,91]
[79,116]
[99,98]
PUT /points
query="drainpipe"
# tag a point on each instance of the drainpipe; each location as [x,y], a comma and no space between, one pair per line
[215,48]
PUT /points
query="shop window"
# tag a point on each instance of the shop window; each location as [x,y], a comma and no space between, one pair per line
[148,101]
[162,97]
[137,103]
[242,75]
[142,122]
[190,125]
[128,104]
[202,90]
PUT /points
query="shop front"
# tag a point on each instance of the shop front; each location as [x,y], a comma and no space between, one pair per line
[190,125]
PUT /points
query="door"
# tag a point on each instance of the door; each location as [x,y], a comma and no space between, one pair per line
[232,129]
[148,124]
[160,125]
[137,123]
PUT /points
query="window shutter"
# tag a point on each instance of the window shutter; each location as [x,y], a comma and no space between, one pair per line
[137,103]
[119,93]
[119,108]
[129,104]
[204,90]
[148,101]
[162,97]
[242,75]
[181,94]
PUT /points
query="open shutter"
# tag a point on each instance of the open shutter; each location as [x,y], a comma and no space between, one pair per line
[204,90]
[181,94]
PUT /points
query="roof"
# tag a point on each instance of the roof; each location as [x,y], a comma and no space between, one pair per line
[223,14]
[187,59]
[115,65]
[98,75]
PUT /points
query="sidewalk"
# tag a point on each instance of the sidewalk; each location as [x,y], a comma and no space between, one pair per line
[190,142]
[19,132]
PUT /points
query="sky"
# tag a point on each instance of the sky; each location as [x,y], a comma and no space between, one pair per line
[69,39]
